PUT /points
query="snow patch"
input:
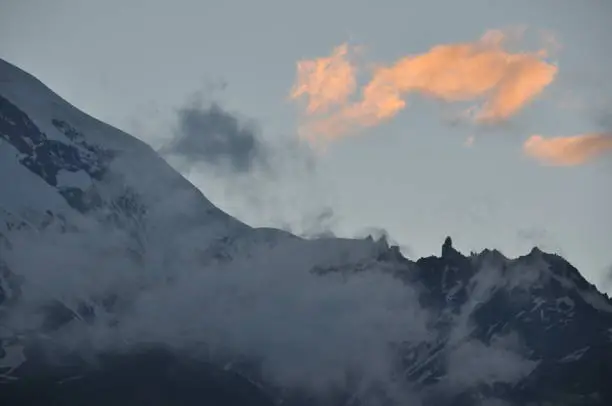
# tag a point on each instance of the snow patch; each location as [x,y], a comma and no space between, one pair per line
[24,190]
[473,362]
[537,303]
[574,356]
[597,300]
[79,179]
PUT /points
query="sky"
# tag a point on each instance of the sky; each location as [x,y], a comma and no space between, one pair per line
[489,121]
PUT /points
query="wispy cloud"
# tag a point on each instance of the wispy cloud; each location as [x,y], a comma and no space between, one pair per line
[568,151]
[483,71]
[326,81]
[262,179]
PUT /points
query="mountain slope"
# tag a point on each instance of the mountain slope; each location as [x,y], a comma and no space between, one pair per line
[111,262]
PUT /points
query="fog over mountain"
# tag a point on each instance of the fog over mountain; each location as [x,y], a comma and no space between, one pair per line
[121,283]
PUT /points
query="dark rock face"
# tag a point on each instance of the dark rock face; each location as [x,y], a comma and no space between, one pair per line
[447,247]
[153,377]
[46,157]
[563,322]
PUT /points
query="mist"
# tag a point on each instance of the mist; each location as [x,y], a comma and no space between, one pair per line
[255,299]
[266,180]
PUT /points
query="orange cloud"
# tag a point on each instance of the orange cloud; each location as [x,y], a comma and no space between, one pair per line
[325,81]
[481,71]
[568,151]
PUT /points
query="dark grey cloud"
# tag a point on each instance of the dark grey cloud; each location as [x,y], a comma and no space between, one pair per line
[208,134]
[262,179]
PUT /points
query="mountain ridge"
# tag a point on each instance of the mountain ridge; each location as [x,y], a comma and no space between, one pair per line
[106,251]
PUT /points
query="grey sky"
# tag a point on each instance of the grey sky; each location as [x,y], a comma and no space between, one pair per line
[134,63]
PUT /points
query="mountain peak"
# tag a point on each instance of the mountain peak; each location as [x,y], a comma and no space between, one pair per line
[535,251]
[161,264]
[447,247]
[448,251]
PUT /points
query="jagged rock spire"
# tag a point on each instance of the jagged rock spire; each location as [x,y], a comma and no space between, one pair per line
[447,247]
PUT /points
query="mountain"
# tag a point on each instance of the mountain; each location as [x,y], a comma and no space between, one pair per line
[120,283]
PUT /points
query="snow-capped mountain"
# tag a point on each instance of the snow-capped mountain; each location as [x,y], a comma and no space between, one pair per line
[120,282]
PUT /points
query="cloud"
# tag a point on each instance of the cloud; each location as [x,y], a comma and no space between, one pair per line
[325,81]
[568,151]
[252,299]
[211,135]
[261,178]
[308,330]
[473,362]
[319,224]
[263,305]
[484,71]
[606,279]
